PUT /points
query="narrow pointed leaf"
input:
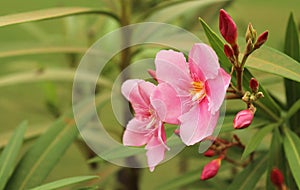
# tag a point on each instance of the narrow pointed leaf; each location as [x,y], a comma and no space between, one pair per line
[292,88]
[248,178]
[291,143]
[9,154]
[64,182]
[257,138]
[49,14]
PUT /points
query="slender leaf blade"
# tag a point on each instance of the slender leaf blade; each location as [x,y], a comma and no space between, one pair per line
[249,177]
[64,182]
[291,143]
[48,14]
[9,154]
[292,88]
[257,138]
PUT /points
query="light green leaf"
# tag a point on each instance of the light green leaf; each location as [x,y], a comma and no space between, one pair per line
[291,143]
[41,158]
[293,109]
[64,182]
[292,88]
[9,154]
[49,75]
[248,178]
[49,14]
[269,60]
[257,138]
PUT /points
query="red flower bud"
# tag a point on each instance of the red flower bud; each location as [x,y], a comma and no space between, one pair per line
[228,51]
[209,153]
[211,169]
[262,38]
[277,177]
[243,119]
[152,74]
[227,27]
[254,85]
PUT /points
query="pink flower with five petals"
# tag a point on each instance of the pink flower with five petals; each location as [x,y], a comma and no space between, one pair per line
[201,86]
[153,105]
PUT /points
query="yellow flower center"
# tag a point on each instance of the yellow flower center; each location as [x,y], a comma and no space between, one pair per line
[198,90]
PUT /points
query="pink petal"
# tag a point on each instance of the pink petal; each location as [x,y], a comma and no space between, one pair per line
[197,124]
[216,90]
[155,153]
[135,133]
[166,103]
[171,67]
[138,93]
[203,62]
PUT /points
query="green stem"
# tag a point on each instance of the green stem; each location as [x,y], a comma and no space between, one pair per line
[267,111]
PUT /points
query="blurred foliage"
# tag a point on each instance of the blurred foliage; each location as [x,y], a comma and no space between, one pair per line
[38,61]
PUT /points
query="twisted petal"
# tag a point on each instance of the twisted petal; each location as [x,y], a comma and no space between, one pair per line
[135,133]
[216,90]
[197,124]
[203,62]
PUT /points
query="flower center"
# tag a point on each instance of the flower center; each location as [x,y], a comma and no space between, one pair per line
[198,91]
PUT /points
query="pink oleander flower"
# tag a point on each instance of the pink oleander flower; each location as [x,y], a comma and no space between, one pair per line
[211,169]
[201,85]
[153,105]
[227,27]
[243,119]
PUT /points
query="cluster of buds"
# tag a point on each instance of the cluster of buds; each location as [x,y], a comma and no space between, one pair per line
[277,179]
[219,149]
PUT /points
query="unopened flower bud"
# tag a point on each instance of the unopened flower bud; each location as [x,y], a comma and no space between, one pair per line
[262,38]
[249,47]
[209,153]
[243,119]
[251,33]
[246,97]
[152,74]
[259,95]
[211,169]
[176,132]
[277,178]
[227,27]
[229,53]
[254,85]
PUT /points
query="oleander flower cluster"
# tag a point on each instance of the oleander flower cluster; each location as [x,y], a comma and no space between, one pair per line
[189,94]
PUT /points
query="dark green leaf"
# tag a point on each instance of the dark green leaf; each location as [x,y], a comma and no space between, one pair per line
[257,138]
[248,178]
[292,88]
[291,143]
[64,182]
[9,154]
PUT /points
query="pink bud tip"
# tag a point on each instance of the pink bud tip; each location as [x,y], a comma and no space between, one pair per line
[176,132]
[262,38]
[152,73]
[277,177]
[243,119]
[211,169]
[254,85]
[227,27]
[209,153]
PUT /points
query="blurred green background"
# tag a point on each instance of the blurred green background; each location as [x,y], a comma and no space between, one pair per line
[30,48]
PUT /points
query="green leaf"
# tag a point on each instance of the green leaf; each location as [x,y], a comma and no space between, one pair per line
[182,180]
[248,178]
[41,158]
[293,109]
[257,138]
[49,14]
[9,154]
[291,143]
[292,88]
[217,44]
[64,182]
[269,60]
